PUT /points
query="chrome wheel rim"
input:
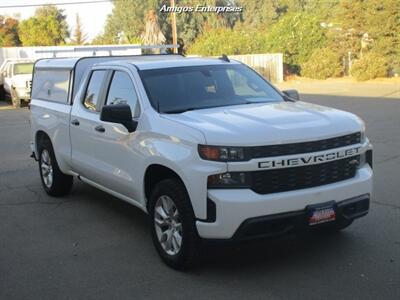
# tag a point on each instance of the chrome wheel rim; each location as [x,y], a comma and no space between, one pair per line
[47,168]
[168,225]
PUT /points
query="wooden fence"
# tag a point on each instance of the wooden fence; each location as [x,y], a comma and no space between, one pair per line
[268,65]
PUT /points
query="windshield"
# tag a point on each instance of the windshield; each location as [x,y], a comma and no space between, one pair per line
[175,90]
[23,68]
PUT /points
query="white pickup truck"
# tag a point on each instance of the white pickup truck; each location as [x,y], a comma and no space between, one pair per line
[207,147]
[16,79]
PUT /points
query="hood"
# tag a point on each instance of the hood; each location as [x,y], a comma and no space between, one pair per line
[269,123]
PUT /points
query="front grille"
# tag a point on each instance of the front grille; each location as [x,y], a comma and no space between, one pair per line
[295,178]
[304,147]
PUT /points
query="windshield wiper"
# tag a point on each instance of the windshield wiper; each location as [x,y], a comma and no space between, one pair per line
[179,111]
[182,110]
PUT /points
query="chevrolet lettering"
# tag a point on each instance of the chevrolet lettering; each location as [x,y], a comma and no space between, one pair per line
[308,159]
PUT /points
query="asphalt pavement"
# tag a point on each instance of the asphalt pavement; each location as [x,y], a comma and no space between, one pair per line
[90,245]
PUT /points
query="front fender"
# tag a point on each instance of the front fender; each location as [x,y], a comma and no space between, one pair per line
[182,158]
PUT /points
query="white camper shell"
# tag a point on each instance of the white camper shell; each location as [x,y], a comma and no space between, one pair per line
[58,79]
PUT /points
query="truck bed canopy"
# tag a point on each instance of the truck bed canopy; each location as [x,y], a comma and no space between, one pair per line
[79,65]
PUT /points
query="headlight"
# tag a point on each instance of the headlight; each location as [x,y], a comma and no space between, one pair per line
[229,180]
[221,153]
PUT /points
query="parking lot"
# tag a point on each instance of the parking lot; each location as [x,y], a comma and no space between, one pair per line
[89,245]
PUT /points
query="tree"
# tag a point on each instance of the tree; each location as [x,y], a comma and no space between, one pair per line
[152,34]
[79,37]
[260,15]
[378,21]
[219,41]
[127,16]
[48,27]
[9,32]
[296,35]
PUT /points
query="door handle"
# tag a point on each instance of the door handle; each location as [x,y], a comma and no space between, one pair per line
[100,128]
[75,122]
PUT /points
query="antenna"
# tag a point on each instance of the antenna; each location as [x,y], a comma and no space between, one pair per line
[224,58]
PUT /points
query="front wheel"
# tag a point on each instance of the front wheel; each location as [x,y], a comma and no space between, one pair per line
[16,101]
[54,182]
[173,225]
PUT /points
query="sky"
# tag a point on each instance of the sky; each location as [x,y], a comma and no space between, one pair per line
[93,15]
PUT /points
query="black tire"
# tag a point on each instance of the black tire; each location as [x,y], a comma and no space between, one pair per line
[61,183]
[189,252]
[2,94]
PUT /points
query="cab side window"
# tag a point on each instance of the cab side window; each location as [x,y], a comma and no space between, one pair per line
[122,91]
[93,90]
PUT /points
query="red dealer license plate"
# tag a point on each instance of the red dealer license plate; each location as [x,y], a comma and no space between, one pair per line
[321,214]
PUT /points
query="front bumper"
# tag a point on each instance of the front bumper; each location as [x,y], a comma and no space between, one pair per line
[279,224]
[23,93]
[234,207]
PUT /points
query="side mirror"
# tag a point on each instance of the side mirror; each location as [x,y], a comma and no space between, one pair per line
[119,113]
[293,94]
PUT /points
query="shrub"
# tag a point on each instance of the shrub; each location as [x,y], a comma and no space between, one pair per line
[370,66]
[227,41]
[296,35]
[323,63]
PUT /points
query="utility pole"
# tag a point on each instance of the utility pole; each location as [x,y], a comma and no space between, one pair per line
[173,24]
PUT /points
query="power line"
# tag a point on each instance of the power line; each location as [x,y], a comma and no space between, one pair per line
[60,3]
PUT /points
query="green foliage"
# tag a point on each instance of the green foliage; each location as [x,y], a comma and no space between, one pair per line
[129,17]
[380,19]
[296,35]
[370,66]
[9,32]
[48,27]
[323,63]
[227,41]
[260,14]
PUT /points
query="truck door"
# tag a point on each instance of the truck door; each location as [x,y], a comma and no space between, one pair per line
[105,152]
[85,116]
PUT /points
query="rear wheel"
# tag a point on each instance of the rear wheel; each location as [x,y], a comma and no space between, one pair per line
[54,182]
[174,232]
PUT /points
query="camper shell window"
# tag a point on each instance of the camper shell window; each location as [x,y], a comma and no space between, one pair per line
[51,85]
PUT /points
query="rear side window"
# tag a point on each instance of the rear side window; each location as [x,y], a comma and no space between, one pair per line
[51,85]
[93,90]
[122,91]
